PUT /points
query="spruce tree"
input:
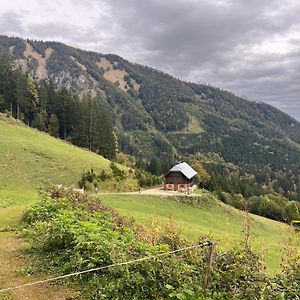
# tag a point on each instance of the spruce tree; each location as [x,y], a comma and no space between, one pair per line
[53,127]
[39,122]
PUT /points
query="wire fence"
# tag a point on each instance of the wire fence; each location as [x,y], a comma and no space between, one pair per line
[201,245]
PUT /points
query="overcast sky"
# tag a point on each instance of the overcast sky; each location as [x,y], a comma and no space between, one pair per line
[250,47]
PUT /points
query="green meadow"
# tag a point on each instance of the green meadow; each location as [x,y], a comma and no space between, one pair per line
[212,218]
[31,160]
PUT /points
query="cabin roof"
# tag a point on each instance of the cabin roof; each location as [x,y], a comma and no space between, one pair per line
[185,169]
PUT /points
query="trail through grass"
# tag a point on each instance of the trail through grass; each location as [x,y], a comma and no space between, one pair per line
[12,261]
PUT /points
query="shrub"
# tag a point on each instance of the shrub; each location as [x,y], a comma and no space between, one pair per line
[90,180]
[70,232]
[147,179]
[117,173]
[67,236]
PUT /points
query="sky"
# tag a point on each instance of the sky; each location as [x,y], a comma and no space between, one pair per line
[251,48]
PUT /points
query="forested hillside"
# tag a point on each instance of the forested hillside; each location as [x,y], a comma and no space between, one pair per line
[57,111]
[246,147]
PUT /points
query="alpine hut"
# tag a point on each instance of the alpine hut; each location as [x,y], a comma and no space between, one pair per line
[180,178]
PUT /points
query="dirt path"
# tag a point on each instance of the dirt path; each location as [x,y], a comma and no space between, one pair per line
[12,261]
[156,191]
[159,191]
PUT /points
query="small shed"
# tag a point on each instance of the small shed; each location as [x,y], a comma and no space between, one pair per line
[180,178]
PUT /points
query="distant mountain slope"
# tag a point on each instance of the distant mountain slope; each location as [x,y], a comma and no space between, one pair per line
[161,118]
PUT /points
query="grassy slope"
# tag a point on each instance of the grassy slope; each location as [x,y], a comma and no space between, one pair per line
[215,219]
[29,160]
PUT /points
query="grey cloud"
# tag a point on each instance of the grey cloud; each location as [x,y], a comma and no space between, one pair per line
[11,23]
[196,40]
[202,42]
[52,30]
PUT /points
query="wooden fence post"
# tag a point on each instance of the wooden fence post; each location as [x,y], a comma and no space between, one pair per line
[207,278]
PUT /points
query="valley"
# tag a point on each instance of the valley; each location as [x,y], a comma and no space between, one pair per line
[71,118]
[62,163]
[155,116]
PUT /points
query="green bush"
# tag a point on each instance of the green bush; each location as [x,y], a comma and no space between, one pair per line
[70,232]
[89,180]
[117,173]
[146,179]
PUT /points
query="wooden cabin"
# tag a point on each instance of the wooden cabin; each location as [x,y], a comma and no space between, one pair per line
[180,178]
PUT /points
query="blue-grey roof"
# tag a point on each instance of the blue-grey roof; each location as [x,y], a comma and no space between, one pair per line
[185,169]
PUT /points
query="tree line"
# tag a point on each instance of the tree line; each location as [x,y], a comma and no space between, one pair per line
[57,111]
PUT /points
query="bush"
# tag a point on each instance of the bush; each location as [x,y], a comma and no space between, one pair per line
[117,173]
[146,179]
[286,285]
[90,180]
[71,232]
[237,275]
[236,200]
[67,236]
[272,206]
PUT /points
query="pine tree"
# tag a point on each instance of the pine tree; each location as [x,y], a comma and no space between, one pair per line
[53,127]
[8,81]
[39,121]
[2,103]
[81,133]
[33,101]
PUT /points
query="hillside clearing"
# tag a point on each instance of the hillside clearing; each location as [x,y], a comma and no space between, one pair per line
[41,71]
[115,75]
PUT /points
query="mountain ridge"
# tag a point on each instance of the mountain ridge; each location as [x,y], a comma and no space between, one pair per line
[159,118]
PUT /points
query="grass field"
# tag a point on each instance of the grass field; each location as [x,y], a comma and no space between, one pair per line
[29,161]
[212,218]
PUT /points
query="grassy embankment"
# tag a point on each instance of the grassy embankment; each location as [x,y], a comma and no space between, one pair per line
[222,222]
[30,160]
